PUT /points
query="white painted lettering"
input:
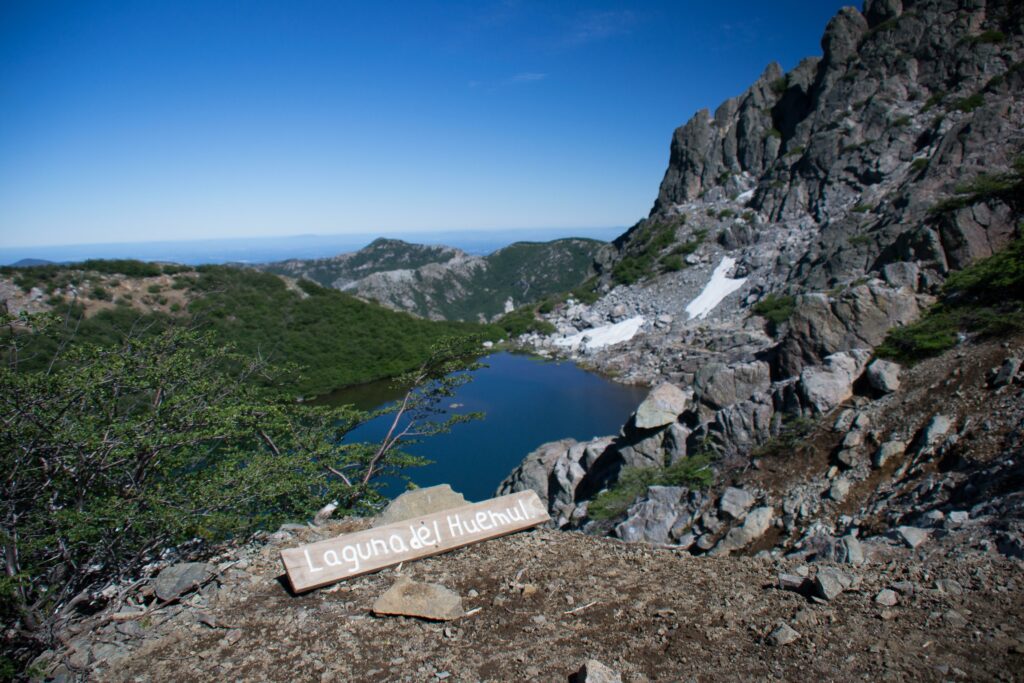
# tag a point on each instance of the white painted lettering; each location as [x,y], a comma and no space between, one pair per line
[397,544]
[481,521]
[348,553]
[455,526]
[498,519]
[331,558]
[309,561]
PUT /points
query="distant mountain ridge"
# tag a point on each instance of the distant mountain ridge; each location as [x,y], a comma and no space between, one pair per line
[445,283]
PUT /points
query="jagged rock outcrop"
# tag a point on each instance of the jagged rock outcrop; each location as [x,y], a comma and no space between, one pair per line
[842,189]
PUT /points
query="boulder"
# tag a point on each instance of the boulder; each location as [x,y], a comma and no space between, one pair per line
[758,521]
[735,502]
[887,597]
[719,386]
[823,387]
[830,582]
[662,406]
[420,502]
[849,550]
[884,376]
[535,469]
[423,600]
[181,578]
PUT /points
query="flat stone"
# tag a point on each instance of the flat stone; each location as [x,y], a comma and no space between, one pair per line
[783,634]
[912,536]
[179,579]
[735,502]
[424,600]
[662,406]
[887,597]
[596,672]
[958,517]
[949,586]
[420,502]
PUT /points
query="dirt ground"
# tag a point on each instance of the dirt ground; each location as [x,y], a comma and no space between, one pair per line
[550,600]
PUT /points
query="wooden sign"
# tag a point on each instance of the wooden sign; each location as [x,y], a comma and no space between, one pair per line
[318,564]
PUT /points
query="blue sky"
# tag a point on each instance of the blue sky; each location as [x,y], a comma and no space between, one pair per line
[153,120]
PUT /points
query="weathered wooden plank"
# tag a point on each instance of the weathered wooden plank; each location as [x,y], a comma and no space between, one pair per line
[319,564]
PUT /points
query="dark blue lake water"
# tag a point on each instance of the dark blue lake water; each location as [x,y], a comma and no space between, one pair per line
[527,400]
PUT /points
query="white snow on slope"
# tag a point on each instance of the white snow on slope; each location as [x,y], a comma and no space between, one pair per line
[606,335]
[746,196]
[717,289]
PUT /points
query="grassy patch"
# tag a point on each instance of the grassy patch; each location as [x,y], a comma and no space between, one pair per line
[919,164]
[639,262]
[694,472]
[860,240]
[523,321]
[779,85]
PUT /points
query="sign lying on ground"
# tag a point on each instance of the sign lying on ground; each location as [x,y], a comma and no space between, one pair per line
[318,564]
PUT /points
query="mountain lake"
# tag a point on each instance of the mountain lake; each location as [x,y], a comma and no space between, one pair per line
[527,401]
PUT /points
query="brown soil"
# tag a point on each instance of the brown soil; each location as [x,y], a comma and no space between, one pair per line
[652,614]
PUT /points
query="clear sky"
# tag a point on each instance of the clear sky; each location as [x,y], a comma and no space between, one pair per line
[185,119]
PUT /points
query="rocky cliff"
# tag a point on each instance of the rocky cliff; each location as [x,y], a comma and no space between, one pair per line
[443,283]
[794,228]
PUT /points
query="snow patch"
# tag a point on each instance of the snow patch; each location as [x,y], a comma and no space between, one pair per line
[606,335]
[745,196]
[719,287]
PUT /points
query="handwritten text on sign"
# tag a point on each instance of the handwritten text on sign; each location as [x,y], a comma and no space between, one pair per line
[318,564]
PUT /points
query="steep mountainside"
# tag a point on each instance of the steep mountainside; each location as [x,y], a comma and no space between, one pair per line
[442,283]
[793,230]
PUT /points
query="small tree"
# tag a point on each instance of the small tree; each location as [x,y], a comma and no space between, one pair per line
[112,454]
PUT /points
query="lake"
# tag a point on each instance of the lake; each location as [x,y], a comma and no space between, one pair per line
[528,401]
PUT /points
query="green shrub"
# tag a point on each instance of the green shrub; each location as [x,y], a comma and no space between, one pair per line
[861,208]
[100,293]
[790,437]
[726,213]
[990,37]
[919,164]
[986,298]
[154,289]
[779,85]
[902,121]
[523,321]
[672,263]
[775,133]
[694,472]
[1008,187]
[860,240]
[933,100]
[777,309]
[128,450]
[970,103]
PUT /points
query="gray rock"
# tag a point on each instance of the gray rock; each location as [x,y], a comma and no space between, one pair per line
[840,489]
[783,634]
[596,672]
[887,451]
[735,502]
[1007,373]
[794,582]
[420,502]
[884,376]
[949,586]
[887,597]
[754,526]
[662,406]
[826,386]
[933,433]
[181,578]
[830,582]
[424,600]
[850,550]
[958,517]
[912,536]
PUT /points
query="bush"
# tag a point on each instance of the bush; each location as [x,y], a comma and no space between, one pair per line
[792,434]
[970,103]
[124,451]
[919,164]
[694,472]
[776,308]
[100,293]
[986,298]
